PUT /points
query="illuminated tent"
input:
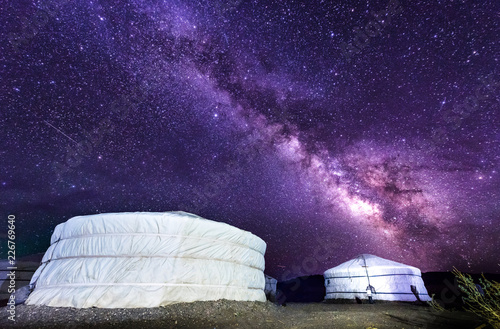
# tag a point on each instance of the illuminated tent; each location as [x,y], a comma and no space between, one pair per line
[130,260]
[391,281]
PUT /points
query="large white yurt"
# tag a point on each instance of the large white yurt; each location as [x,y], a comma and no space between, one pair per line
[391,281]
[131,260]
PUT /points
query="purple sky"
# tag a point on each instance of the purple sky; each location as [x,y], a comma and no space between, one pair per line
[329,129]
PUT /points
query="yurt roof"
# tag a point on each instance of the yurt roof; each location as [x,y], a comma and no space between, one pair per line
[371,264]
[152,223]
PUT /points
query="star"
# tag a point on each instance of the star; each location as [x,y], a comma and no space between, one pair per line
[374,126]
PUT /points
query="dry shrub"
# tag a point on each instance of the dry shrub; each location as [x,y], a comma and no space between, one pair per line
[436,305]
[485,304]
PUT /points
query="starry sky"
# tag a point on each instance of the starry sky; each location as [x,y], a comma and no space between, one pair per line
[327,128]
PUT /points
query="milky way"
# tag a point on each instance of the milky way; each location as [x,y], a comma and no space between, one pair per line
[328,129]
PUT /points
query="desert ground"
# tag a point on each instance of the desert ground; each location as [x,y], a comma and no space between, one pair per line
[231,314]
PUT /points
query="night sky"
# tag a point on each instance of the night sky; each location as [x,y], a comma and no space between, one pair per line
[327,128]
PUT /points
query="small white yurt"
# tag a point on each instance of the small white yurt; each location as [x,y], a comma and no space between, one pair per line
[132,260]
[391,281]
[270,288]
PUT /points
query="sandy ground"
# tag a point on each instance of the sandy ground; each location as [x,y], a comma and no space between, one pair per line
[230,314]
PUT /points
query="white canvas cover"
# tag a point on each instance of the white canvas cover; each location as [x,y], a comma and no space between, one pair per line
[391,281]
[270,288]
[130,260]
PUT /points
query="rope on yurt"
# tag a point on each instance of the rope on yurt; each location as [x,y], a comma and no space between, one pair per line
[366,269]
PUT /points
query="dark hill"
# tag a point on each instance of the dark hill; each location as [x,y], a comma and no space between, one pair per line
[304,289]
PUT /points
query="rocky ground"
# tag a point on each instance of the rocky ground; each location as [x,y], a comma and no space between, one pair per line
[231,314]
